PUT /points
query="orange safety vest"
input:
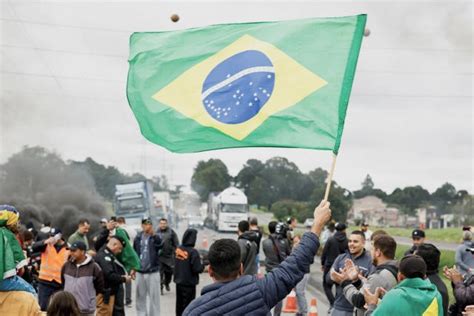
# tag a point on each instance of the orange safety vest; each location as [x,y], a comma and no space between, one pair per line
[51,263]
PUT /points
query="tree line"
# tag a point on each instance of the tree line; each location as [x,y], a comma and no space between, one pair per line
[34,169]
[277,185]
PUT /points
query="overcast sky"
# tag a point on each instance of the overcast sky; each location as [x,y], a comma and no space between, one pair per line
[64,67]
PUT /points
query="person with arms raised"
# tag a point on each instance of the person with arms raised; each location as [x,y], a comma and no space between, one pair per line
[234,294]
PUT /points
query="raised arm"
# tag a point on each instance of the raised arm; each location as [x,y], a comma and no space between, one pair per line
[278,283]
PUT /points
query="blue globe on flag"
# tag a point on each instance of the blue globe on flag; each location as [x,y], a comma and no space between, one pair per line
[237,88]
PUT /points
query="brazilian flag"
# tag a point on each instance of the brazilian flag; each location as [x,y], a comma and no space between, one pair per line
[268,84]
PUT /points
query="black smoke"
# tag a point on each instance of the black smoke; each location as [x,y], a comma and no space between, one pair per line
[44,188]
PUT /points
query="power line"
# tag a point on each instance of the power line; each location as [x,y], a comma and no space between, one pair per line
[67,26]
[61,76]
[32,41]
[64,51]
[459,50]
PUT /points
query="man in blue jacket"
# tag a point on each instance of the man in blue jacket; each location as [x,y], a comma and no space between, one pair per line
[147,245]
[232,294]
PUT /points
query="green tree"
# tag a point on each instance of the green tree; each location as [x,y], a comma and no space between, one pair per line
[285,208]
[340,199]
[276,179]
[105,178]
[258,192]
[284,179]
[409,198]
[210,176]
[444,197]
[368,183]
[368,188]
[250,180]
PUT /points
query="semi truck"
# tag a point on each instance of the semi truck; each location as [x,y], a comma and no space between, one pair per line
[134,201]
[226,209]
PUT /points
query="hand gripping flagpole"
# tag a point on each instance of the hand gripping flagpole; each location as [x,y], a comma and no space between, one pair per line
[329,178]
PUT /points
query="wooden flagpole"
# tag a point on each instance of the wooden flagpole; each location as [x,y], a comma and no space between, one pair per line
[329,179]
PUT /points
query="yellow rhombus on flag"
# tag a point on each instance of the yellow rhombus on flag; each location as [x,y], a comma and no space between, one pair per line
[278,84]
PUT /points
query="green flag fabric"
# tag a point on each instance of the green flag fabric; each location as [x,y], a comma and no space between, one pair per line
[267,84]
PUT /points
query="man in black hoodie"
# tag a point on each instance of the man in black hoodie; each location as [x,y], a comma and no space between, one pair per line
[248,248]
[333,247]
[431,255]
[170,242]
[187,267]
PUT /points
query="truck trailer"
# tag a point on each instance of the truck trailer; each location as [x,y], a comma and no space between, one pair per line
[226,209]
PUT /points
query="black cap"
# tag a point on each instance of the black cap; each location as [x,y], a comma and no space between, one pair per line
[78,245]
[466,228]
[147,220]
[340,226]
[119,238]
[418,233]
[364,224]
[413,266]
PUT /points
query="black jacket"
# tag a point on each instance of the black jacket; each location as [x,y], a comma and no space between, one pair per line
[259,234]
[170,242]
[155,244]
[334,246]
[188,264]
[442,289]
[411,250]
[111,268]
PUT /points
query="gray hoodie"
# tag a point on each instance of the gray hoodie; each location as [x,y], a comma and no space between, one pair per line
[464,258]
[248,252]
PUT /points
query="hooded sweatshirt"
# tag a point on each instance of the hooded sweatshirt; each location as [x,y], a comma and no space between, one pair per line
[384,276]
[334,246]
[410,297]
[84,281]
[188,263]
[248,252]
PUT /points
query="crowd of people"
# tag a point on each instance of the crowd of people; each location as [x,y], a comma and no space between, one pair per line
[86,274]
[42,271]
[369,280]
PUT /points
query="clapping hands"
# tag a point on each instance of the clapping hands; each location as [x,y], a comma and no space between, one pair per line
[373,298]
[452,274]
[349,272]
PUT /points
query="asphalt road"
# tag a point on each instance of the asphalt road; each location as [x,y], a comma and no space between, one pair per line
[205,239]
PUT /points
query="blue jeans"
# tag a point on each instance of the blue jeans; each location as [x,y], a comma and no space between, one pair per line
[45,291]
[300,295]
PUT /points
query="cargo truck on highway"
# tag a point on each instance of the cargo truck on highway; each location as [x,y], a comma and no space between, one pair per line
[226,209]
[134,201]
